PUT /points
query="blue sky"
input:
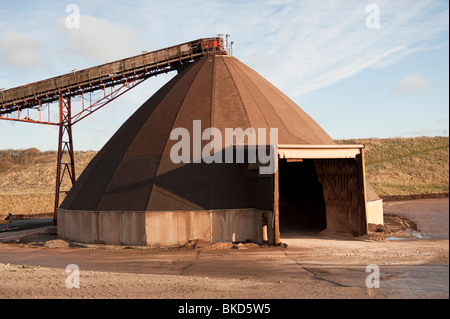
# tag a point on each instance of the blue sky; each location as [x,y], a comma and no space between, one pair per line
[355,81]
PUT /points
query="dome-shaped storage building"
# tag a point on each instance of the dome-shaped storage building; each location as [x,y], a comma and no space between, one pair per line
[134,192]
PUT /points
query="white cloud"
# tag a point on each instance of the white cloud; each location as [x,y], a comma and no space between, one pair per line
[101,40]
[310,45]
[19,50]
[414,85]
[299,46]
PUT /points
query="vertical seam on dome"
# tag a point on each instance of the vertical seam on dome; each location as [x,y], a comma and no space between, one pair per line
[314,129]
[213,100]
[240,97]
[124,153]
[213,96]
[174,120]
[253,98]
[131,143]
[265,98]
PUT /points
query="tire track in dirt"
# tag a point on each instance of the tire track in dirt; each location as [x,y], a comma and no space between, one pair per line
[315,275]
[406,252]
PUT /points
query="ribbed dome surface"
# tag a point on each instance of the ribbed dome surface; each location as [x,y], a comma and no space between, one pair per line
[134,172]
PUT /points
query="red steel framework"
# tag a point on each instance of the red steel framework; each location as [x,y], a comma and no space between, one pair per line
[120,76]
[65,144]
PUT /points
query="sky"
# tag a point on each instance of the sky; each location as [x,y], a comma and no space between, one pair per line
[360,69]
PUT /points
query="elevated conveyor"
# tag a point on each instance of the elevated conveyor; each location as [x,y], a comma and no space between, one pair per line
[106,75]
[25,103]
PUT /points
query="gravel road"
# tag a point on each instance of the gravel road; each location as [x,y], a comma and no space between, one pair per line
[320,266]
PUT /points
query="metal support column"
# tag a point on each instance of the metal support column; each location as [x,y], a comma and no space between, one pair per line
[65,146]
[276,203]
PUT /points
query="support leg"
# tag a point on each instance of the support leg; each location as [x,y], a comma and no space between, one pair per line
[65,146]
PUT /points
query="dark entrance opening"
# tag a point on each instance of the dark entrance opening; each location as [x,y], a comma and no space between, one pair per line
[301,202]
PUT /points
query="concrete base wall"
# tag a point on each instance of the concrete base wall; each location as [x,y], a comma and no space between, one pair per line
[177,228]
[159,229]
[238,226]
[79,226]
[374,211]
[102,227]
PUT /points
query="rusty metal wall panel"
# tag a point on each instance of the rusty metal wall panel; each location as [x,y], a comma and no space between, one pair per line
[343,193]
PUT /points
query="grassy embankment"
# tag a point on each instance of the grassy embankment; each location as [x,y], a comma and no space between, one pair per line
[405,166]
[395,166]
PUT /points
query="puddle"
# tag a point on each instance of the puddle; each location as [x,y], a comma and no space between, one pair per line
[395,238]
[408,235]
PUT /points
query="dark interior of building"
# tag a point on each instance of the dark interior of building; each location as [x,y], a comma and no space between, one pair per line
[302,205]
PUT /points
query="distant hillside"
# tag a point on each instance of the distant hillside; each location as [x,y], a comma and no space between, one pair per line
[396,166]
[404,166]
[27,180]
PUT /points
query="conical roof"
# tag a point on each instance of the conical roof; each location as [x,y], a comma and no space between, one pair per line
[134,171]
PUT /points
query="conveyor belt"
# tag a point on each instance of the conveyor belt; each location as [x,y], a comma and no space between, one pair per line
[106,75]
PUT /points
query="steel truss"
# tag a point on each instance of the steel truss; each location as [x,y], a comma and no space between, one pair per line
[119,76]
[65,146]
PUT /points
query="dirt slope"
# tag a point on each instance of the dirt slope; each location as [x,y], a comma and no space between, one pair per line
[404,166]
[397,166]
[27,183]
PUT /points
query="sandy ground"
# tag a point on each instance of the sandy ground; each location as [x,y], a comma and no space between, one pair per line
[319,266]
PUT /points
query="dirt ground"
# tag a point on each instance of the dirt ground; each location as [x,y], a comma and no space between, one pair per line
[411,264]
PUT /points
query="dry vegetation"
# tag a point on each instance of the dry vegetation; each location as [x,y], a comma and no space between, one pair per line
[397,166]
[404,166]
[27,180]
